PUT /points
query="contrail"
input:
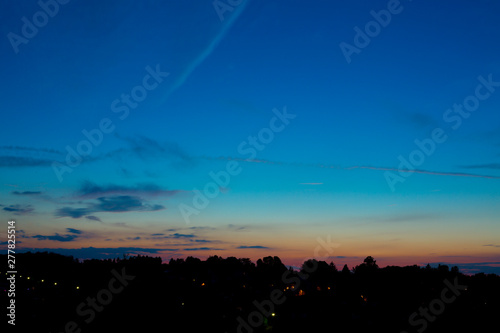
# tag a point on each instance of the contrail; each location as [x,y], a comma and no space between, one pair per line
[206,52]
[437,173]
[327,166]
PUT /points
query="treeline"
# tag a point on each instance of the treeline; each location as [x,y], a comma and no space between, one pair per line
[56,293]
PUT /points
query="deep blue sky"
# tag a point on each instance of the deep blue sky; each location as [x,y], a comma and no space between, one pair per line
[325,173]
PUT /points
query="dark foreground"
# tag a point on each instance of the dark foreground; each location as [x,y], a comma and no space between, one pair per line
[54,293]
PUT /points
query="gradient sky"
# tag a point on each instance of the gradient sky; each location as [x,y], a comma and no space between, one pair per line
[220,77]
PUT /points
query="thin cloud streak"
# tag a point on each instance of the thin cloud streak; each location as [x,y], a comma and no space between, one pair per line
[26,193]
[326,166]
[116,204]
[493,166]
[253,247]
[205,52]
[19,209]
[436,173]
[90,190]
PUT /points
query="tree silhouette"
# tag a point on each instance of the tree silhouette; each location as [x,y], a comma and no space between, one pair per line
[191,295]
[369,265]
[370,262]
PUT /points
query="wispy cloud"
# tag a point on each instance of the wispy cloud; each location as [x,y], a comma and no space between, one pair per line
[26,193]
[122,225]
[177,235]
[336,167]
[123,203]
[407,217]
[18,156]
[236,227]
[102,252]
[422,120]
[202,249]
[74,231]
[492,166]
[93,218]
[492,245]
[7,242]
[90,190]
[72,235]
[252,247]
[72,212]
[427,172]
[115,204]
[201,228]
[19,150]
[139,146]
[19,209]
[17,161]
[342,257]
[56,237]
[147,148]
[472,268]
[393,218]
[162,236]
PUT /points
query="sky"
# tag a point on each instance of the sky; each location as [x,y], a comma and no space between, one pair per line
[301,129]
